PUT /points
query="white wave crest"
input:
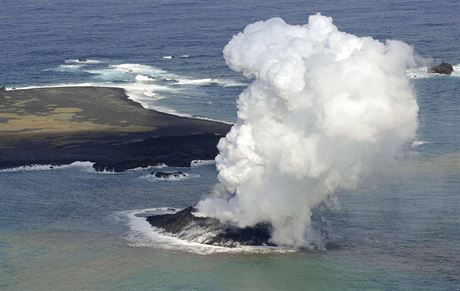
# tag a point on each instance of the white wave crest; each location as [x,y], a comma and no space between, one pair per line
[140,69]
[209,81]
[200,163]
[83,165]
[143,84]
[68,68]
[142,78]
[159,166]
[81,61]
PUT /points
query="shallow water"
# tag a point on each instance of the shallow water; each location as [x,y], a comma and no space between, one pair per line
[67,229]
[399,230]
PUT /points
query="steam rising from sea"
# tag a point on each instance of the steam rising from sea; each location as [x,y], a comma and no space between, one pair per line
[324,107]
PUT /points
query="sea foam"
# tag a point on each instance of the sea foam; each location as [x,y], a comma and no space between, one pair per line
[81,165]
[201,163]
[422,73]
[152,178]
[142,234]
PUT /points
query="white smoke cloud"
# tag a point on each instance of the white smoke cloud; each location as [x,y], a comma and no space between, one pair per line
[323,107]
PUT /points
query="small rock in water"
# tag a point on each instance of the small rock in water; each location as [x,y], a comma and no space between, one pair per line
[167,175]
[443,68]
[82,60]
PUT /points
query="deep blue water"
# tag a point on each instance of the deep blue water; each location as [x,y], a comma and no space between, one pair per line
[59,229]
[37,37]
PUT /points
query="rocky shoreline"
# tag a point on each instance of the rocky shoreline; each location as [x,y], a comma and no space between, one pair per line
[62,125]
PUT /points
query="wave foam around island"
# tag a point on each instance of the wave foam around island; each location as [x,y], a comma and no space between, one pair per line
[184,176]
[142,234]
[422,73]
[83,61]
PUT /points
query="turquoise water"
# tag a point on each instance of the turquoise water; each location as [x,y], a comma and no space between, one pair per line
[70,228]
[64,229]
[398,231]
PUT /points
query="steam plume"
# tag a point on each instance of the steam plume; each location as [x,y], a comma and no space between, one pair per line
[323,107]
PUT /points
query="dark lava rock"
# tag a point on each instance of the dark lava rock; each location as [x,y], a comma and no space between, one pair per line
[443,68]
[82,60]
[185,225]
[167,175]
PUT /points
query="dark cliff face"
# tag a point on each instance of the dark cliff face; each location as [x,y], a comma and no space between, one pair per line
[185,225]
[175,151]
[103,126]
[115,153]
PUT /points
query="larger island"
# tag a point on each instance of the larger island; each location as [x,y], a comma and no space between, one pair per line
[62,125]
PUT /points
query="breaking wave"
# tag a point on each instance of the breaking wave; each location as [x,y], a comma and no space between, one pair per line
[81,165]
[200,163]
[159,166]
[80,61]
[84,166]
[144,84]
[208,81]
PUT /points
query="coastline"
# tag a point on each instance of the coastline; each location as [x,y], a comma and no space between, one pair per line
[62,125]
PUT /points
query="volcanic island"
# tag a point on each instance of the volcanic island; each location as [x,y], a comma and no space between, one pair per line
[61,125]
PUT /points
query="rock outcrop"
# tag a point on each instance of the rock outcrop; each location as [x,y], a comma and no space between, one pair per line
[168,175]
[443,68]
[185,225]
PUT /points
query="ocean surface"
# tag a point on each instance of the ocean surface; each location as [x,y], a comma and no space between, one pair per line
[72,228]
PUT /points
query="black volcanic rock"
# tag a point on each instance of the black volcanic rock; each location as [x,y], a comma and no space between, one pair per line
[184,224]
[168,175]
[443,68]
[174,223]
